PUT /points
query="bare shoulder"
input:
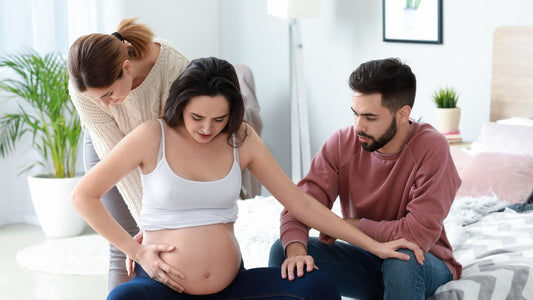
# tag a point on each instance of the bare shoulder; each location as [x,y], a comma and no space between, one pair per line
[252,147]
[147,128]
[140,147]
[248,135]
[145,134]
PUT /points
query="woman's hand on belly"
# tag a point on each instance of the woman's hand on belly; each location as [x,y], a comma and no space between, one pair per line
[209,255]
[149,256]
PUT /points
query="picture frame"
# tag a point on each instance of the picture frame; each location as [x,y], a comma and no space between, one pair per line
[412,21]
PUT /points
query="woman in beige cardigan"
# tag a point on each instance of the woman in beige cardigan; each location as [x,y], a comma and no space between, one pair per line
[117,82]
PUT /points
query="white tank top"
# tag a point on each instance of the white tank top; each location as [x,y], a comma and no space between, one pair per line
[170,201]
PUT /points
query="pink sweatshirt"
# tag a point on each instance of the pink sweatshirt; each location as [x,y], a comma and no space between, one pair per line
[406,194]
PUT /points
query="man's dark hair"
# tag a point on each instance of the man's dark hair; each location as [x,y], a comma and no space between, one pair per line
[389,77]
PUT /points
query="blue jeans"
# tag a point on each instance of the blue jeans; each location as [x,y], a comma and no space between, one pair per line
[258,283]
[362,275]
[521,207]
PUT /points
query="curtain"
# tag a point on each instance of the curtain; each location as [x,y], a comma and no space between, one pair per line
[37,24]
[45,26]
[90,16]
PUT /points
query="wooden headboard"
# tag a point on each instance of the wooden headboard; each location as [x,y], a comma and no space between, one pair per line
[512,73]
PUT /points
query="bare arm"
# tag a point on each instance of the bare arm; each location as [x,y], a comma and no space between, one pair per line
[263,166]
[133,151]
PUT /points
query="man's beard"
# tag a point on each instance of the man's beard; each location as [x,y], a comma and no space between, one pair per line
[383,140]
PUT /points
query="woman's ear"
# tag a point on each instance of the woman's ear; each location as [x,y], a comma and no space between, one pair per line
[127,67]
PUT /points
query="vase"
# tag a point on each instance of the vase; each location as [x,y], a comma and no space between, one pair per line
[447,119]
[51,199]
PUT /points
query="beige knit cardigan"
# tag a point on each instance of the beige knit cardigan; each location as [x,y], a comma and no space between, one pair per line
[108,125]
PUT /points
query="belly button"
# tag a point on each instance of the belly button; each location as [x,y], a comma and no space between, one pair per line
[207,275]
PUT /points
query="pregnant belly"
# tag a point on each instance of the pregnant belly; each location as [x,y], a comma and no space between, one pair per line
[208,256]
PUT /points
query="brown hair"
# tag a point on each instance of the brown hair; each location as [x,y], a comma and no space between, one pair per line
[95,60]
[209,76]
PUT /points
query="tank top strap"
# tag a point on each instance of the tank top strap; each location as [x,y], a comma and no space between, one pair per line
[161,154]
[235,148]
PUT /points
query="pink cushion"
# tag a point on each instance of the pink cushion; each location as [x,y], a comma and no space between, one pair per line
[507,176]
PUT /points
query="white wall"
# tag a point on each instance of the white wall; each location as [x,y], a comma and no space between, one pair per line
[348,33]
[249,36]
[191,25]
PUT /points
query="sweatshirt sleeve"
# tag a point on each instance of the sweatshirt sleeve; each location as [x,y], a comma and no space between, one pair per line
[105,134]
[320,183]
[429,198]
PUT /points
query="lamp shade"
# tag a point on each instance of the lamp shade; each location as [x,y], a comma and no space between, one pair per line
[292,9]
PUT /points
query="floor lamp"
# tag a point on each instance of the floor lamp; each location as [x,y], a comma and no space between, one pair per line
[300,143]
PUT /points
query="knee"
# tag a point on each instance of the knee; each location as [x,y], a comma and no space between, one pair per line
[123,292]
[318,285]
[277,255]
[394,268]
[400,263]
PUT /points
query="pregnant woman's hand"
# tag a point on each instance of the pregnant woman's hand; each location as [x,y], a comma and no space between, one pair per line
[149,258]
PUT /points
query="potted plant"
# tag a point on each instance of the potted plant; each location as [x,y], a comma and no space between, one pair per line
[39,85]
[447,114]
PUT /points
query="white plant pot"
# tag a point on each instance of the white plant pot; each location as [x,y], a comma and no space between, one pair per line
[51,199]
[447,119]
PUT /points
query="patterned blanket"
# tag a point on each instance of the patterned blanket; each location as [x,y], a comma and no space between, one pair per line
[495,248]
[497,257]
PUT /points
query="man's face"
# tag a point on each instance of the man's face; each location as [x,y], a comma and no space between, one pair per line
[375,125]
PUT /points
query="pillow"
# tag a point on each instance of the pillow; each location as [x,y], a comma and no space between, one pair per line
[506,176]
[495,137]
[516,121]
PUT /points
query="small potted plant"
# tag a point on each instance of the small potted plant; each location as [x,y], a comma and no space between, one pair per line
[447,114]
[39,85]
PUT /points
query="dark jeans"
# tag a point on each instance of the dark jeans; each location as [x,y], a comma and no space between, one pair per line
[114,203]
[521,207]
[360,274]
[258,283]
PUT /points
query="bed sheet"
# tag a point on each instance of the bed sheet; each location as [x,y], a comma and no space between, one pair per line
[495,248]
[497,257]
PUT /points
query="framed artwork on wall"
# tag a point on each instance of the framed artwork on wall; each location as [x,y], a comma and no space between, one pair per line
[412,21]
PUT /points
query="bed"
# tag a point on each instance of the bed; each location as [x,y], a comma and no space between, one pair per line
[493,242]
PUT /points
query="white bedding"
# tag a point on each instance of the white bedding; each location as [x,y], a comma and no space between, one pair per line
[496,249]
[257,228]
[497,257]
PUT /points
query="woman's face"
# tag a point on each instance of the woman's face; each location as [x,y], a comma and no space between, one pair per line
[117,92]
[205,117]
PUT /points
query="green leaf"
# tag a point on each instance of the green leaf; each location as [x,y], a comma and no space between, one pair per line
[446,97]
[39,85]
